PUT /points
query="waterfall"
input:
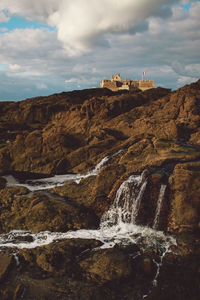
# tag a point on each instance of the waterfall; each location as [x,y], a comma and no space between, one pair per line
[159,205]
[127,202]
[118,224]
[137,202]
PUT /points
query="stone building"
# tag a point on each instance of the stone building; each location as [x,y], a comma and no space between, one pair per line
[116,84]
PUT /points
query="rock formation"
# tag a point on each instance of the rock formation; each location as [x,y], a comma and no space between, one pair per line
[156,130]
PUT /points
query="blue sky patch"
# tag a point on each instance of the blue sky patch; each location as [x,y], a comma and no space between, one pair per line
[186,6]
[21,23]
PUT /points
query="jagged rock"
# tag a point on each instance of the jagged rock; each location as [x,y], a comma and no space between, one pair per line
[103,183]
[71,132]
[106,265]
[185,201]
[40,212]
[61,257]
[179,277]
[6,262]
[79,193]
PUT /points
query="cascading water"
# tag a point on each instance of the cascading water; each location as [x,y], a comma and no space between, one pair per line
[117,226]
[159,205]
[127,202]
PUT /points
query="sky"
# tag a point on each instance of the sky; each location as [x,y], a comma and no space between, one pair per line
[50,46]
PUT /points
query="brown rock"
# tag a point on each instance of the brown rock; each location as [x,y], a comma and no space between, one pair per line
[185,202]
[79,193]
[103,184]
[2,183]
[106,265]
[39,212]
[60,257]
[147,265]
[6,263]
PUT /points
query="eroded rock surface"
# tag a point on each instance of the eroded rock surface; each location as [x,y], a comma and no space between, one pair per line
[39,212]
[157,131]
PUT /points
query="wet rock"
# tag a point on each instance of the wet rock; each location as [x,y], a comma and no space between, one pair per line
[19,292]
[105,179]
[147,265]
[6,263]
[179,277]
[2,183]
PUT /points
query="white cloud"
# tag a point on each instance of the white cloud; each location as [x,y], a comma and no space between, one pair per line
[80,23]
[14,67]
[3,29]
[41,86]
[182,80]
[3,17]
[166,45]
[25,50]
[71,80]
[33,9]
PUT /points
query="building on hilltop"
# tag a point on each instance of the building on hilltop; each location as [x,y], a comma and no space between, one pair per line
[116,84]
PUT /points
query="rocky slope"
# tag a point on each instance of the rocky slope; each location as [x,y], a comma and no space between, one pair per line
[157,130]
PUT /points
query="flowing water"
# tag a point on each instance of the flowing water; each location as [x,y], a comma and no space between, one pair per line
[118,225]
[127,202]
[159,206]
[57,180]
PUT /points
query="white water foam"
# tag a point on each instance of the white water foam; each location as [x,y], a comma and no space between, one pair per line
[57,180]
[127,202]
[117,224]
[123,233]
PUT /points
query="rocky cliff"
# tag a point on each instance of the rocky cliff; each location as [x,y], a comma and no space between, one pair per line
[157,130]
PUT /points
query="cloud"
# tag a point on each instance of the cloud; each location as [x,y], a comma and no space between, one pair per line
[71,80]
[14,67]
[81,23]
[166,45]
[3,17]
[41,86]
[32,9]
[190,70]
[26,47]
[3,29]
[182,80]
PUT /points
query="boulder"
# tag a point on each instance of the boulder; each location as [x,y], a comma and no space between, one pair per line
[106,265]
[185,200]
[58,258]
[6,263]
[40,212]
